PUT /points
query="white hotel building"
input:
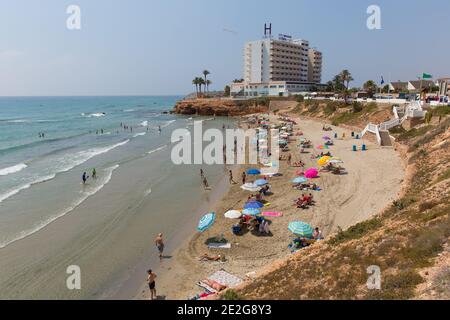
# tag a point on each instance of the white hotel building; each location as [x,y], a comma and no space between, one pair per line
[279,68]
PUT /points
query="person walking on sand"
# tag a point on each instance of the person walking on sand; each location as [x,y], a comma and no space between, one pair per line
[159,244]
[289,158]
[202,175]
[244,177]
[151,276]
[231,178]
[205,183]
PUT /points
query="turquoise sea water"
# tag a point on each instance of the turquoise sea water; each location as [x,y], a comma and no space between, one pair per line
[40,177]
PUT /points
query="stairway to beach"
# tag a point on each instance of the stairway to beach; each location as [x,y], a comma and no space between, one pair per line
[385,138]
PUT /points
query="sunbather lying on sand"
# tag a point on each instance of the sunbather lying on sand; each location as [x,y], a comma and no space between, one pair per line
[215,285]
[207,257]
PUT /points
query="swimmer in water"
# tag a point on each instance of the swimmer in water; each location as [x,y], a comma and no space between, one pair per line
[94,174]
[159,129]
[84,177]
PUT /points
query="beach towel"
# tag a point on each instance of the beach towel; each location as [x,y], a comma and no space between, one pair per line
[225,278]
[272,214]
[214,245]
[266,204]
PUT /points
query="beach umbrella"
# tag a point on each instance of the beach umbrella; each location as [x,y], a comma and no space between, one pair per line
[323,161]
[261,182]
[322,147]
[233,214]
[250,187]
[311,173]
[253,205]
[251,212]
[268,171]
[206,221]
[301,228]
[253,171]
[300,180]
[326,138]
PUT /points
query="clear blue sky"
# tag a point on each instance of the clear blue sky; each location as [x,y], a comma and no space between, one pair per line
[159,46]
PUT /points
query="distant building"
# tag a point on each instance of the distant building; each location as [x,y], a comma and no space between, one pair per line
[414,85]
[417,85]
[444,86]
[314,66]
[279,68]
[398,86]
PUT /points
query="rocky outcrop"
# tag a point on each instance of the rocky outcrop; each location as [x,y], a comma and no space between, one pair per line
[218,107]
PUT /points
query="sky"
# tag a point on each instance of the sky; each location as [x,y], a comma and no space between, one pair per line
[156,47]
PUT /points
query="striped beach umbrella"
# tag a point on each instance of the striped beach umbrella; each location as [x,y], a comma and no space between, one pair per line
[301,228]
[251,212]
[250,187]
[206,221]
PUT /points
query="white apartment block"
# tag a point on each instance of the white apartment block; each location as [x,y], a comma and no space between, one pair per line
[276,60]
[279,67]
[314,66]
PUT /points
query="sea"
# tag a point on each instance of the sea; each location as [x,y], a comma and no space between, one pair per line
[47,143]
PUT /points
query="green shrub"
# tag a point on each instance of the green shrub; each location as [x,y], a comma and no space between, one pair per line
[357,107]
[231,295]
[299,98]
[355,232]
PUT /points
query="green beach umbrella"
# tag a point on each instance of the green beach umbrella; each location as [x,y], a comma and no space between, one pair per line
[301,228]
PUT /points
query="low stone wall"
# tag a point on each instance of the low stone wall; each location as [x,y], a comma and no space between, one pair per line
[218,107]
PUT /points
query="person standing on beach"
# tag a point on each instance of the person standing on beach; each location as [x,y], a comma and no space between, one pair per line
[84,177]
[244,176]
[231,178]
[205,183]
[289,158]
[94,174]
[201,175]
[159,244]
[151,276]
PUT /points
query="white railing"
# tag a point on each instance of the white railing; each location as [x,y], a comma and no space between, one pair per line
[390,124]
[373,128]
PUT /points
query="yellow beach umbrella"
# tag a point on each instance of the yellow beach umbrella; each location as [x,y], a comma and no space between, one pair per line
[323,161]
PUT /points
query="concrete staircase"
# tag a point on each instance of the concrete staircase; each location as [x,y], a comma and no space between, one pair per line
[385,139]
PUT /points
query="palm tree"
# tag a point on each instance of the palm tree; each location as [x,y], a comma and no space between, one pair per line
[346,77]
[201,82]
[208,83]
[205,74]
[371,87]
[195,82]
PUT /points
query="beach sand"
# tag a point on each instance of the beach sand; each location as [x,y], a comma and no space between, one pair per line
[373,181]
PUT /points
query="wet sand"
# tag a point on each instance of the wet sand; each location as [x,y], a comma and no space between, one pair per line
[373,181]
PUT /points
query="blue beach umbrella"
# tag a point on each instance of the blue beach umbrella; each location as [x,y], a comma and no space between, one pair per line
[253,171]
[301,228]
[206,221]
[253,205]
[300,180]
[251,212]
[261,182]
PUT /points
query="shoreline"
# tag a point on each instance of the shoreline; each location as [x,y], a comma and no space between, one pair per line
[184,269]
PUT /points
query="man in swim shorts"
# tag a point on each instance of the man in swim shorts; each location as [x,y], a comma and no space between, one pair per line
[151,284]
[159,244]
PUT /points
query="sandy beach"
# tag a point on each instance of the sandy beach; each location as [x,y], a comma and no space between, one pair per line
[373,181]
